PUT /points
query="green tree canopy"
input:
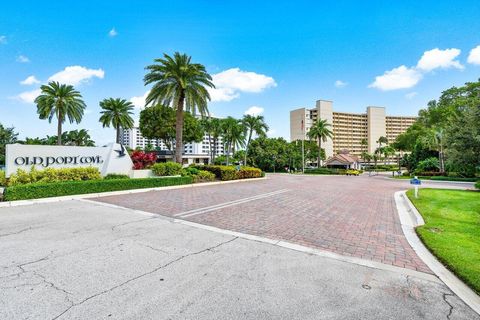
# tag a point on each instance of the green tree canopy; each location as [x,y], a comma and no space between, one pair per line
[158,122]
[7,136]
[320,131]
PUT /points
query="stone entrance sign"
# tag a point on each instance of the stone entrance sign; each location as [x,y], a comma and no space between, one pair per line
[110,159]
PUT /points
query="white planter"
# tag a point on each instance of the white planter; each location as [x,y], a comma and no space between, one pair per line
[146,173]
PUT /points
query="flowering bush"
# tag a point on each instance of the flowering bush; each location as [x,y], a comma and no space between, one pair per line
[142,160]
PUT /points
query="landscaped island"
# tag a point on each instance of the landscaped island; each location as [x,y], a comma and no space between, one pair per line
[452,230]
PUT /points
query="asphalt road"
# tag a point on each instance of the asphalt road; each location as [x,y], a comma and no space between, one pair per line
[85,260]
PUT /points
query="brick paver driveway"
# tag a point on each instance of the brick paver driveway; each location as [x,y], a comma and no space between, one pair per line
[352,216]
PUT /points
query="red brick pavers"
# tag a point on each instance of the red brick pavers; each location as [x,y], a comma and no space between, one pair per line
[351,216]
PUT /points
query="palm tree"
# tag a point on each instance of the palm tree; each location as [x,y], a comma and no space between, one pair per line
[61,101]
[253,124]
[382,140]
[434,140]
[117,113]
[79,138]
[233,135]
[181,84]
[320,132]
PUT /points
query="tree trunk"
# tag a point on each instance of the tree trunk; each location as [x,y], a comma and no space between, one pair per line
[246,147]
[228,153]
[319,152]
[179,131]
[210,151]
[118,134]
[59,132]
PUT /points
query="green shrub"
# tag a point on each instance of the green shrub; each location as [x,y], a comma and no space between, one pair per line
[50,175]
[3,179]
[248,173]
[203,176]
[112,176]
[225,173]
[45,190]
[167,169]
[477,184]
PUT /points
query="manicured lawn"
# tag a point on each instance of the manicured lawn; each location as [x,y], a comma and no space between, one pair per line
[440,178]
[452,230]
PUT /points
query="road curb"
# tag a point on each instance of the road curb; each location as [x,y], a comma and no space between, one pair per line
[410,218]
[17,203]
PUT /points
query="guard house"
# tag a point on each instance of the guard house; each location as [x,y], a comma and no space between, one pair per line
[343,160]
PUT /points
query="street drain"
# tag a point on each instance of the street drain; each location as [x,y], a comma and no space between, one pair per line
[366,287]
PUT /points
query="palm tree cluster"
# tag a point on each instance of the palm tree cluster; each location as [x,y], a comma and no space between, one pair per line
[235,134]
[176,82]
[63,102]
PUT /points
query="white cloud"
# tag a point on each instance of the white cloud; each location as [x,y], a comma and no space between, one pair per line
[231,82]
[30,80]
[437,58]
[340,84]
[74,75]
[28,96]
[139,101]
[22,59]
[3,39]
[397,78]
[271,133]
[474,55]
[112,33]
[254,111]
[411,95]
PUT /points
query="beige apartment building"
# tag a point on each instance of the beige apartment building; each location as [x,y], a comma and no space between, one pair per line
[349,129]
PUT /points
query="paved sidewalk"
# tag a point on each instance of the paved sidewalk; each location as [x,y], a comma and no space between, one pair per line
[81,260]
[352,216]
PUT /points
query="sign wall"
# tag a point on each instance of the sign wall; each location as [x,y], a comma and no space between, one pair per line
[110,159]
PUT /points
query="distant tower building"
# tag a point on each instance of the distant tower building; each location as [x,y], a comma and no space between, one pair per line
[349,129]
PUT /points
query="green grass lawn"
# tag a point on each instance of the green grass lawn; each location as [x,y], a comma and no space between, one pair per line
[452,230]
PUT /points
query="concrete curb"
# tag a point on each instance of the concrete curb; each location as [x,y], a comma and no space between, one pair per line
[437,181]
[282,243]
[115,193]
[410,218]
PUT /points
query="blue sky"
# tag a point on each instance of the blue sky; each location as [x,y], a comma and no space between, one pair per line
[274,55]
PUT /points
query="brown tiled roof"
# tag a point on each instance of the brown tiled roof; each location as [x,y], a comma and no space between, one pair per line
[343,158]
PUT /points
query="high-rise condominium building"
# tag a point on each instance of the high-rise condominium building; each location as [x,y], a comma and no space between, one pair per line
[349,129]
[196,152]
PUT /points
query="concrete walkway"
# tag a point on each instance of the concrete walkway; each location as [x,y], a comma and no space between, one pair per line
[81,260]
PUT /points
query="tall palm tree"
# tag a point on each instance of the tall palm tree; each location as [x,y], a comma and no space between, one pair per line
[253,124]
[117,113]
[179,83]
[61,101]
[320,131]
[233,135]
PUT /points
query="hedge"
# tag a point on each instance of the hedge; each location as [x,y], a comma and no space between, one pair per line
[167,169]
[46,190]
[225,173]
[444,178]
[321,171]
[477,185]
